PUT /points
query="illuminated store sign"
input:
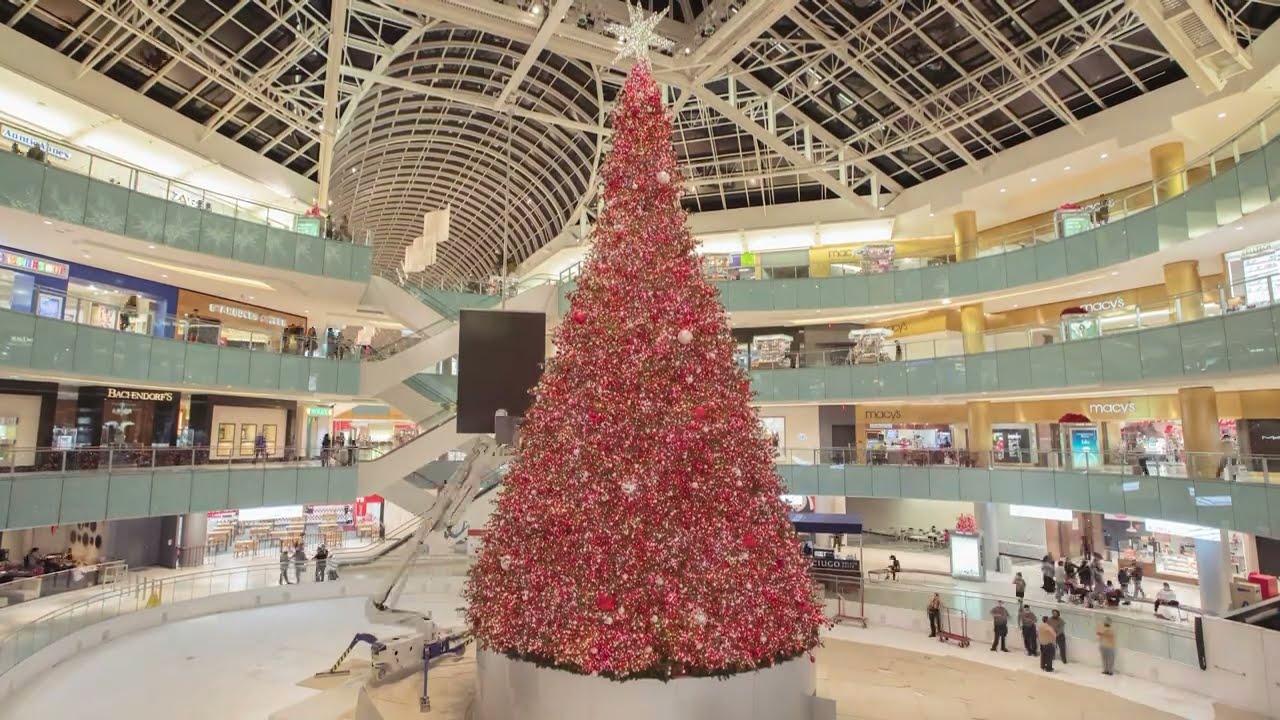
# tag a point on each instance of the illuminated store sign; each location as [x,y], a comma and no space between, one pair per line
[120,394]
[15,135]
[33,264]
[1113,408]
[247,314]
[1115,303]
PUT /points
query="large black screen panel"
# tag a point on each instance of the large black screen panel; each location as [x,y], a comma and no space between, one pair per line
[500,356]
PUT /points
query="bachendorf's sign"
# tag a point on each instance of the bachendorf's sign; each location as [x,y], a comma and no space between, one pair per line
[119,394]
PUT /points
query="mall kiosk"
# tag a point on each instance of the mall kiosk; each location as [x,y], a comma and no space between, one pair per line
[840,574]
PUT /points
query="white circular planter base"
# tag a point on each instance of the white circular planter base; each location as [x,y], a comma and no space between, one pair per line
[508,689]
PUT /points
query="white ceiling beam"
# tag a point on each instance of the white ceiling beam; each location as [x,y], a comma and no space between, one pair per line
[477,100]
[776,144]
[332,73]
[550,24]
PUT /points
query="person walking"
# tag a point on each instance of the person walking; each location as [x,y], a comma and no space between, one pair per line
[326,447]
[1107,646]
[1059,581]
[935,615]
[1060,627]
[1048,643]
[322,557]
[1047,582]
[299,562]
[1028,621]
[259,448]
[284,566]
[1136,576]
[1019,587]
[1226,464]
[1000,619]
[1122,582]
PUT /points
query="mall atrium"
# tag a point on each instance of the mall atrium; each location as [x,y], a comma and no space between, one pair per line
[690,359]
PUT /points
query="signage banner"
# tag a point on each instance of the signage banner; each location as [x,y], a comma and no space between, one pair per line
[146,395]
[13,135]
[29,263]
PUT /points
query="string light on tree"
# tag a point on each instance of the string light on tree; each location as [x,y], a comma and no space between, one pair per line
[603,577]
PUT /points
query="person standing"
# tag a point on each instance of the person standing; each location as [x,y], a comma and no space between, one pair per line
[299,562]
[259,448]
[1059,581]
[1028,621]
[1000,618]
[1136,576]
[1122,582]
[326,446]
[322,557]
[935,615]
[284,566]
[894,567]
[1019,587]
[1048,643]
[1047,582]
[1107,646]
[1226,464]
[1060,627]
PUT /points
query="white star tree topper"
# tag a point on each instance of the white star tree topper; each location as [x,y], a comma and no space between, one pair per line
[641,35]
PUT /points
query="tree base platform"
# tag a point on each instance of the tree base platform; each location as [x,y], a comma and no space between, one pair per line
[511,689]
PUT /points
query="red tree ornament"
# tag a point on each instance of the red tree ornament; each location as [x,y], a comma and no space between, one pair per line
[585,517]
[749,541]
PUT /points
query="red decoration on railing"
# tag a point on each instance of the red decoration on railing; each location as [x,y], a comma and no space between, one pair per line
[1073,310]
[966,524]
[1073,418]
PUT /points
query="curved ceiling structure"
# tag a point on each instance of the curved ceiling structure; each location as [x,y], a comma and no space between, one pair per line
[495,108]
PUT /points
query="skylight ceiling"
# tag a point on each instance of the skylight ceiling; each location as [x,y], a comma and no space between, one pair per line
[494,109]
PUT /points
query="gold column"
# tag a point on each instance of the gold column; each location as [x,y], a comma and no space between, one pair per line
[1199,406]
[973,326]
[1167,163]
[964,226]
[1182,284]
[979,417]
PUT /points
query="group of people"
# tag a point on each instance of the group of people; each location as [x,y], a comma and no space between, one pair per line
[1047,638]
[299,340]
[326,569]
[1086,584]
[338,450]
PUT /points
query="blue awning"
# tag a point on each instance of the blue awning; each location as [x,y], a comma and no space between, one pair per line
[835,524]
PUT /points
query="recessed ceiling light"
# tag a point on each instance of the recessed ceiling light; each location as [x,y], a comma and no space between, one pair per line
[163,275]
[84,254]
[946,301]
[1221,115]
[1103,156]
[1114,273]
[1003,189]
[930,214]
[1067,168]
[1034,179]
[1239,227]
[151,247]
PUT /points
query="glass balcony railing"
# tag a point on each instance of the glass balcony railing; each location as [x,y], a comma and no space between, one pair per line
[1236,178]
[872,346]
[193,355]
[1239,341]
[56,486]
[1208,489]
[115,198]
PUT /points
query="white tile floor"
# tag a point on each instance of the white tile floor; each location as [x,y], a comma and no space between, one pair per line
[247,665]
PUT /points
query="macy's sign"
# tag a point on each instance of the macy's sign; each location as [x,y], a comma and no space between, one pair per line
[1112,408]
[1115,303]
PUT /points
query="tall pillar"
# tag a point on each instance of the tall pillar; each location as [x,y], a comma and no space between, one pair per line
[1167,163]
[1182,284]
[973,326]
[964,225]
[1213,570]
[1199,406]
[984,515]
[979,418]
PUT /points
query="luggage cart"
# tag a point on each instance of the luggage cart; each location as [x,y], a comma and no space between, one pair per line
[955,626]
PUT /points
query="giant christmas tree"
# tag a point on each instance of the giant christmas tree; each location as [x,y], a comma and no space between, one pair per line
[640,533]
